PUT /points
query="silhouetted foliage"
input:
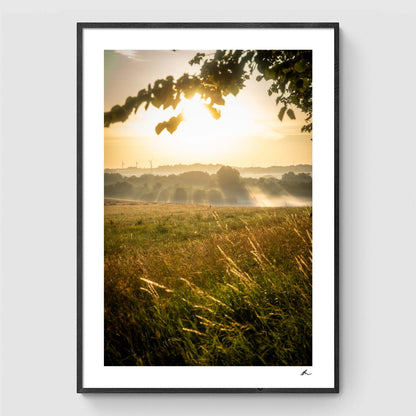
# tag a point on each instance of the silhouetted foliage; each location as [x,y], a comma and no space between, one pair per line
[229,178]
[215,197]
[232,186]
[194,178]
[110,178]
[224,73]
[292,177]
[119,189]
[271,186]
[199,196]
[163,196]
[180,195]
[149,196]
[226,187]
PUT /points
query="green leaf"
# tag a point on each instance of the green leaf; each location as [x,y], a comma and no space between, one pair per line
[216,114]
[171,125]
[291,114]
[197,59]
[159,128]
[300,66]
[107,119]
[156,102]
[299,83]
[281,113]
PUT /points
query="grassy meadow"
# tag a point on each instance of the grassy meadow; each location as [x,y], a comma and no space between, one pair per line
[200,285]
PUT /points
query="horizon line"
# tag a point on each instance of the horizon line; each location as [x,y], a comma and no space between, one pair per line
[207,164]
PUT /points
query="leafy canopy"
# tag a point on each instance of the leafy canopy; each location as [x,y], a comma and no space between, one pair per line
[225,72]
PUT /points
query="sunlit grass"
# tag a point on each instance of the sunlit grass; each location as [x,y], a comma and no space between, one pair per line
[193,285]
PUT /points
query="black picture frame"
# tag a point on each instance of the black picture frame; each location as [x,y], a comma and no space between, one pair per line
[81,26]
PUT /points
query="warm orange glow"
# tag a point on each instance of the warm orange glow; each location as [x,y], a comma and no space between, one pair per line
[248,133]
[201,136]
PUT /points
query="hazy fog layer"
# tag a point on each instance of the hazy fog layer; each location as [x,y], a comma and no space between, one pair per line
[225,187]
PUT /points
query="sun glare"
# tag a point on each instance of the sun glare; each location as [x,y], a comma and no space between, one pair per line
[194,110]
[201,136]
[235,118]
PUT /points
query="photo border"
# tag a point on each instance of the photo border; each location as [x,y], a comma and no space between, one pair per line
[108,25]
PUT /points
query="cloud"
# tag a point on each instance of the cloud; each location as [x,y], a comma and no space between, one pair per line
[133,55]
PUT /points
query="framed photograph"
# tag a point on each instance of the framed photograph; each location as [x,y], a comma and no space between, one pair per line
[207,207]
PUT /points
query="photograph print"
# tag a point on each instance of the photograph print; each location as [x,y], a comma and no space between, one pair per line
[207,212]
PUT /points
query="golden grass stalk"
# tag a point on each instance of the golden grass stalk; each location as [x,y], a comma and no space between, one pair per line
[150,282]
[193,331]
[220,303]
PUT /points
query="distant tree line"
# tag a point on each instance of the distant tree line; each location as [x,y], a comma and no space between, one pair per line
[226,187]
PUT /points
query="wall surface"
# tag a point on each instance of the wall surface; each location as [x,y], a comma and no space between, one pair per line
[38,211]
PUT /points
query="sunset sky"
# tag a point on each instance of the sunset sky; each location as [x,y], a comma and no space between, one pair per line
[247,134]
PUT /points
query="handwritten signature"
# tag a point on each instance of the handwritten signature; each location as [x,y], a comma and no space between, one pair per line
[305,373]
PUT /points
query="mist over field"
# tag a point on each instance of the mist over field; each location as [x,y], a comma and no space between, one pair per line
[226,186]
[245,172]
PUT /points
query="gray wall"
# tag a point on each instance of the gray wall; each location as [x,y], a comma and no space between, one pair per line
[38,209]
